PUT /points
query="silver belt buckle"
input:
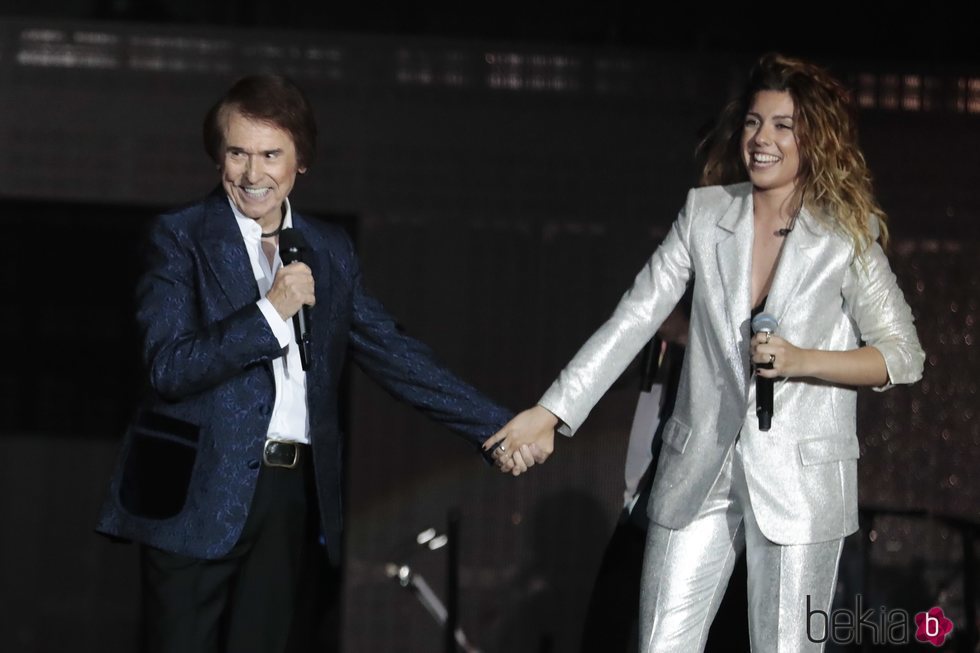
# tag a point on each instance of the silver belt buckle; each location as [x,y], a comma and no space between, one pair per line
[271,463]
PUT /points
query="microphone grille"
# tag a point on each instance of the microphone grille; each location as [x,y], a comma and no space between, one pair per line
[764,322]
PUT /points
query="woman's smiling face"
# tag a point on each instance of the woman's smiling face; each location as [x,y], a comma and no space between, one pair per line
[770,148]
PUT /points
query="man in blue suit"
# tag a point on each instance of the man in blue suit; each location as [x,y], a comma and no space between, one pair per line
[232,469]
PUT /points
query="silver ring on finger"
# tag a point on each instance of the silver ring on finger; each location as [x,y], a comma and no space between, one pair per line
[772,358]
[768,335]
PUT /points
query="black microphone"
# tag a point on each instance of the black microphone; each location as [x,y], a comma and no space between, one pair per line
[764,323]
[292,244]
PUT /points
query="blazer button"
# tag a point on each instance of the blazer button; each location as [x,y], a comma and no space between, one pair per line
[253,464]
[264,410]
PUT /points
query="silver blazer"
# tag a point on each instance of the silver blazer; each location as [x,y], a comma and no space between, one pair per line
[802,474]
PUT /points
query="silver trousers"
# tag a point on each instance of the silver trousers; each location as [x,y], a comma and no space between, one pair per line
[686,571]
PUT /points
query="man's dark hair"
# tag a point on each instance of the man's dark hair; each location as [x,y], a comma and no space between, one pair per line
[267,98]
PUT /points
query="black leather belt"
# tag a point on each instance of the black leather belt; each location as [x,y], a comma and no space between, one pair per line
[283,454]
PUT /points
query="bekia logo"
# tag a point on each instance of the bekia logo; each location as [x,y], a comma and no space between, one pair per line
[882,626]
[933,627]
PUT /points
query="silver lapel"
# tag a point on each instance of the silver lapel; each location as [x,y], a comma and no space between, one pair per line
[794,263]
[734,255]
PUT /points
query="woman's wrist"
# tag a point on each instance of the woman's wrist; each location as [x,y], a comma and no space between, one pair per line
[547,418]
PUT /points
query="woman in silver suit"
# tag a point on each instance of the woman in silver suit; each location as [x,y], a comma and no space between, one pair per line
[787,224]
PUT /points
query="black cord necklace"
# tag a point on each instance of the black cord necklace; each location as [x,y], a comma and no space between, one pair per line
[782,233]
[282,221]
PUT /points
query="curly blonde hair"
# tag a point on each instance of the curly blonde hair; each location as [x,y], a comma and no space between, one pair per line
[834,180]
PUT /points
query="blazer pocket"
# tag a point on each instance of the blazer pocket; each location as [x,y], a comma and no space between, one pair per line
[158,466]
[827,450]
[676,434]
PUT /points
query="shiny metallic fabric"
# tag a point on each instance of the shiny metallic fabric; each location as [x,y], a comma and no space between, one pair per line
[801,475]
[686,571]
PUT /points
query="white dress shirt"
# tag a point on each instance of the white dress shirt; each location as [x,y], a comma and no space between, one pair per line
[290,417]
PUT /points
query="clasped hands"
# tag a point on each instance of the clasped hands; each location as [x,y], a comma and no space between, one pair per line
[525,441]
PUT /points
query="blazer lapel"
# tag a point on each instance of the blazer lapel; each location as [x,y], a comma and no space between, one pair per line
[224,251]
[734,256]
[318,258]
[794,264]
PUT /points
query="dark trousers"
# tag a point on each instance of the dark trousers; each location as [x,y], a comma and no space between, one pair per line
[246,601]
[612,622]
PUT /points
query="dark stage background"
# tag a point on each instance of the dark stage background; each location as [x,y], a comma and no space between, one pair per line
[503,192]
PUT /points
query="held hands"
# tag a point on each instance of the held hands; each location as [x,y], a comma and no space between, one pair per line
[526,440]
[787,359]
[291,289]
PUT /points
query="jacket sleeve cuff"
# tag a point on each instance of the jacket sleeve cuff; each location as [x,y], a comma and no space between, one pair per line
[552,403]
[903,365]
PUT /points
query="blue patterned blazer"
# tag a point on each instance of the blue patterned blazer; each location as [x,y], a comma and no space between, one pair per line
[191,457]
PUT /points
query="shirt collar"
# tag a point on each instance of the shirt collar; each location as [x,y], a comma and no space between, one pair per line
[251,231]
